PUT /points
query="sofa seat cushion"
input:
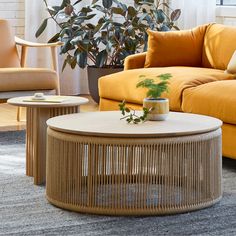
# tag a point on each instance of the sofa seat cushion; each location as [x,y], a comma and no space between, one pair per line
[122,85]
[216,99]
[24,79]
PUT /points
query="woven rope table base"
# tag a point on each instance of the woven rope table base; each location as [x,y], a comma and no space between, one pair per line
[138,176]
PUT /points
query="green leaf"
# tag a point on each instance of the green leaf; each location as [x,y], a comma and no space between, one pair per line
[101,58]
[65,3]
[174,16]
[56,8]
[86,9]
[107,3]
[127,109]
[64,64]
[78,1]
[176,27]
[66,47]
[164,28]
[121,5]
[117,10]
[160,16]
[131,11]
[137,120]
[106,24]
[75,40]
[99,8]
[97,28]
[82,59]
[88,17]
[73,63]
[41,28]
[54,38]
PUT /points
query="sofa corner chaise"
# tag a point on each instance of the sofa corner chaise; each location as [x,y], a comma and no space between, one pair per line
[197,59]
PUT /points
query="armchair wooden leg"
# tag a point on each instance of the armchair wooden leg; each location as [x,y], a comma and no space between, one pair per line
[55,67]
[19,109]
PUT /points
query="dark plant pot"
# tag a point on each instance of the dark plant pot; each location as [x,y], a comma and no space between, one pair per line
[94,73]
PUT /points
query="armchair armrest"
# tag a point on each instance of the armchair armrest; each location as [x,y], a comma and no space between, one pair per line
[25,43]
[135,61]
[53,46]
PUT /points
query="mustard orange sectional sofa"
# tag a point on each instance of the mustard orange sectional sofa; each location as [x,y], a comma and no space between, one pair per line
[197,60]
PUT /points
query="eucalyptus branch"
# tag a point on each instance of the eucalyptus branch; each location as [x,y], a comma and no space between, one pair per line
[130,116]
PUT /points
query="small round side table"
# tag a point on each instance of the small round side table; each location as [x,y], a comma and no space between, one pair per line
[37,113]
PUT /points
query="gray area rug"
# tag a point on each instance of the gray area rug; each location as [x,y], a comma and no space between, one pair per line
[25,211]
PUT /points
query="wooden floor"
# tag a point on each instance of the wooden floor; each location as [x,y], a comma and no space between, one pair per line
[8,115]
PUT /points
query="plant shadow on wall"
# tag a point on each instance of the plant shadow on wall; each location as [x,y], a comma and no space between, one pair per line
[102,34]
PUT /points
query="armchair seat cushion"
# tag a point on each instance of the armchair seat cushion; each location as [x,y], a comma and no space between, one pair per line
[26,79]
[213,99]
[122,85]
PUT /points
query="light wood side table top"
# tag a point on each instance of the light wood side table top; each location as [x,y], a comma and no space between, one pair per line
[37,113]
[68,101]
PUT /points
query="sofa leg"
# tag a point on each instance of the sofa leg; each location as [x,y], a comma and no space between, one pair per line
[19,109]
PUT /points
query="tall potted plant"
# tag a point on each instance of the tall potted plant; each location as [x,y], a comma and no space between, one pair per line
[102,34]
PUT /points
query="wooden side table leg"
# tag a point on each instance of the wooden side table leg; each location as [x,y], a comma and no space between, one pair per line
[18,116]
[39,137]
[36,139]
[29,147]
[36,143]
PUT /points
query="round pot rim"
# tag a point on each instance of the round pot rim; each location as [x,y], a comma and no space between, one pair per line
[106,67]
[155,99]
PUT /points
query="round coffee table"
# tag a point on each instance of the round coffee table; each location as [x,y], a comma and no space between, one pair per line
[97,163]
[37,113]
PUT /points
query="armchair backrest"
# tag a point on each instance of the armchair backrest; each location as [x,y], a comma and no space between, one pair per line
[219,46]
[8,52]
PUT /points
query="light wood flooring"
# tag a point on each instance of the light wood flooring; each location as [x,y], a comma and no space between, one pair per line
[8,120]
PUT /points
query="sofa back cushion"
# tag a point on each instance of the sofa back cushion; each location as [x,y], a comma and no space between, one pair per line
[175,48]
[8,52]
[219,46]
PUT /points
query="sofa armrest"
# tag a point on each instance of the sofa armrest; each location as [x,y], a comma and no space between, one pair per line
[135,61]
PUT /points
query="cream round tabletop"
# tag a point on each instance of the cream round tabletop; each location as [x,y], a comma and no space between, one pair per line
[108,124]
[66,101]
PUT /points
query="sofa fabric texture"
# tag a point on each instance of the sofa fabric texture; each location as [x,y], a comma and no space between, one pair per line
[209,99]
[122,85]
[8,52]
[175,48]
[219,46]
[23,79]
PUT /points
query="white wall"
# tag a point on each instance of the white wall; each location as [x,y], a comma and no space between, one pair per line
[226,15]
[14,11]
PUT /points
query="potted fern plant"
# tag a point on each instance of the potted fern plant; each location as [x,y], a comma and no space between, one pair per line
[100,35]
[157,106]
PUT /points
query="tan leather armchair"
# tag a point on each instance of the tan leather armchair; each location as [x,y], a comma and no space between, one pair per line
[15,78]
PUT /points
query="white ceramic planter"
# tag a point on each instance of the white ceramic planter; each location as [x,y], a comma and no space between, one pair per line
[160,108]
